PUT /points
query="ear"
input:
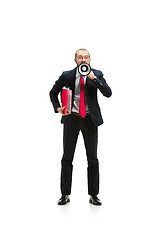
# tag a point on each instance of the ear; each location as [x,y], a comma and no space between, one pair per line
[75,60]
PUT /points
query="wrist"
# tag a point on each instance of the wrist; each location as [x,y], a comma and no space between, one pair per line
[94,79]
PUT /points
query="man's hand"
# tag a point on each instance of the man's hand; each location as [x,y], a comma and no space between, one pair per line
[60,110]
[92,76]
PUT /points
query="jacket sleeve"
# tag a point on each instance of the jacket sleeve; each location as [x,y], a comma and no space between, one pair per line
[55,91]
[102,85]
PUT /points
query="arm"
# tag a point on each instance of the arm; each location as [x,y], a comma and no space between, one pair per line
[54,94]
[54,97]
[101,84]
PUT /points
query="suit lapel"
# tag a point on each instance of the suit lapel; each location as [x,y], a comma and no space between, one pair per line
[72,77]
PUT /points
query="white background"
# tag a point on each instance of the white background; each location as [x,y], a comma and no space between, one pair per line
[38,41]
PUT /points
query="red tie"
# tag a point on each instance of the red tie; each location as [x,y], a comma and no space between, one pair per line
[82,106]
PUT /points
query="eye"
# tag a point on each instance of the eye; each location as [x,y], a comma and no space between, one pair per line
[80,57]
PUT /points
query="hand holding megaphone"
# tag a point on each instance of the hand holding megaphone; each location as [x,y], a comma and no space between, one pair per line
[92,76]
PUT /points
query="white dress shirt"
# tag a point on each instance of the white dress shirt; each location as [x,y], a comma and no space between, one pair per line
[75,107]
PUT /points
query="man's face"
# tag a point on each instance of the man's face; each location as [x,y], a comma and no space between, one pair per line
[82,57]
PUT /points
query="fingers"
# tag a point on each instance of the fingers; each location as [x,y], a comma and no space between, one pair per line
[91,75]
[60,110]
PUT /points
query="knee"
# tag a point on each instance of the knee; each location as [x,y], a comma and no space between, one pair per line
[66,162]
[93,162]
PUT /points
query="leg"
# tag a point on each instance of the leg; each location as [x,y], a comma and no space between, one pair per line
[90,135]
[70,135]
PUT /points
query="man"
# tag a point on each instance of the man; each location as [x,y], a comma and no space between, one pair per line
[85,117]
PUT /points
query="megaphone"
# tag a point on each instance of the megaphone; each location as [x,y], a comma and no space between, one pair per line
[84,69]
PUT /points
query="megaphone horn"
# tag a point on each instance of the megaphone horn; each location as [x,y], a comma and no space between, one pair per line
[84,69]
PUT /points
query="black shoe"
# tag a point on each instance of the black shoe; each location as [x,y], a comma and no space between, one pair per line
[63,200]
[95,201]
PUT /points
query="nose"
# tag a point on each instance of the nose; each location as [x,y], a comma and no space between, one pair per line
[83,60]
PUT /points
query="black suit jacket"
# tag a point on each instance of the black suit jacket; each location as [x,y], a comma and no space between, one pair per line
[67,79]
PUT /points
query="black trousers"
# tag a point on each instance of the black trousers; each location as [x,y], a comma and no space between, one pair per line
[72,127]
